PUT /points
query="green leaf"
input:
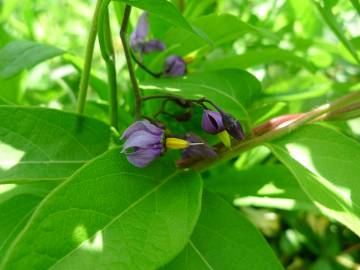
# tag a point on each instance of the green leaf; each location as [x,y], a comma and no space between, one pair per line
[224,239]
[259,57]
[271,186]
[21,54]
[330,19]
[16,205]
[43,144]
[186,42]
[166,11]
[108,215]
[326,164]
[233,90]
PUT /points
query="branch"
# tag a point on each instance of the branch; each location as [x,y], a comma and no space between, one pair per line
[134,83]
[145,68]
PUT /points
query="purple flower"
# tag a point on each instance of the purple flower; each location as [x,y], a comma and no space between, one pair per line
[174,66]
[199,150]
[143,143]
[212,122]
[138,40]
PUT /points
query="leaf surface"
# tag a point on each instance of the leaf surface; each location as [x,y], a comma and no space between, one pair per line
[43,144]
[111,215]
[326,165]
[224,239]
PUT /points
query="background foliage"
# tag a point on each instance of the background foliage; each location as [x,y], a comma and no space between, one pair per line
[70,200]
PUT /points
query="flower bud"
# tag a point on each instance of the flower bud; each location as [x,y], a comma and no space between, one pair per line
[233,126]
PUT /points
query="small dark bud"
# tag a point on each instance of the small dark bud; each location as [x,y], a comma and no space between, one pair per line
[186,116]
[233,126]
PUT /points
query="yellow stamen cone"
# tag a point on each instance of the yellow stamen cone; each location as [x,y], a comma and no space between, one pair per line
[176,143]
[225,138]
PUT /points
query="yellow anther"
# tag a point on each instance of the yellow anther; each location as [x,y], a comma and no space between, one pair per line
[176,143]
[225,138]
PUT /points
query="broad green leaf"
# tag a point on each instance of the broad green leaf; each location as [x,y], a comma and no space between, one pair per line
[108,215]
[258,57]
[186,42]
[21,54]
[166,11]
[224,239]
[16,205]
[43,144]
[326,165]
[233,89]
[330,19]
[271,186]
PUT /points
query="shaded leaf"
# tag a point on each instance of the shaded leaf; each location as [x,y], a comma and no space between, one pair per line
[108,215]
[43,144]
[224,239]
[21,54]
[326,164]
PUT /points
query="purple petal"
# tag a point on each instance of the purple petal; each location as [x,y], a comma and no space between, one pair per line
[141,139]
[141,31]
[142,157]
[153,46]
[212,122]
[142,125]
[174,66]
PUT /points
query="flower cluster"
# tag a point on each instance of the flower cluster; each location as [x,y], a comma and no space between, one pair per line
[174,65]
[146,141]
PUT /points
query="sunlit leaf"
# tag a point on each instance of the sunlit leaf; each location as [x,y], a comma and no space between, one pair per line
[42,144]
[326,165]
[108,215]
[261,186]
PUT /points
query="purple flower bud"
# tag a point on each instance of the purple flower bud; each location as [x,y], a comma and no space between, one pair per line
[174,66]
[143,143]
[138,41]
[199,151]
[212,122]
[233,126]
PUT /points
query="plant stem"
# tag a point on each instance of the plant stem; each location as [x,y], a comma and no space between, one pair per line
[84,81]
[321,112]
[134,83]
[108,54]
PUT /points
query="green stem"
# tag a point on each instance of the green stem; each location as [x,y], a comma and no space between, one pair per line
[134,83]
[108,54]
[321,112]
[84,81]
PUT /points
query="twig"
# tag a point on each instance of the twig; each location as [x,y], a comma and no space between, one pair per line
[145,68]
[135,86]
